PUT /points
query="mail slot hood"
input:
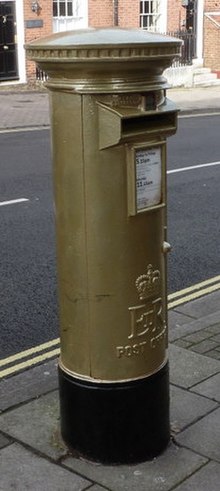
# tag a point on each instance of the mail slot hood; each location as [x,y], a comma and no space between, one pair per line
[124,124]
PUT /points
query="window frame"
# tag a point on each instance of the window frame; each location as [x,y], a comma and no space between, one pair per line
[74,11]
[149,16]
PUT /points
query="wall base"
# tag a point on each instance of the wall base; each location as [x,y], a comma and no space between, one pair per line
[116,423]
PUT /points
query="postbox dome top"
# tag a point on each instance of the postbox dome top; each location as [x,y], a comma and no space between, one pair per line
[104,59]
[104,37]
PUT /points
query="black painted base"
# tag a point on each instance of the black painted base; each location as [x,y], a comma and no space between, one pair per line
[116,423]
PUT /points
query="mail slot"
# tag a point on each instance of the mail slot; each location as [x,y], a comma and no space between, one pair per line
[110,118]
[132,124]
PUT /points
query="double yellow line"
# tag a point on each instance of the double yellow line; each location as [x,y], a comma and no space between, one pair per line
[14,364]
[193,292]
[49,350]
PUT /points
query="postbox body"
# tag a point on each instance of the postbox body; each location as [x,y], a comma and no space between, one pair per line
[109,120]
[110,255]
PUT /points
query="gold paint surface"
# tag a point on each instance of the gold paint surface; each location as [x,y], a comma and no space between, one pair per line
[71,228]
[103,61]
[111,262]
[108,331]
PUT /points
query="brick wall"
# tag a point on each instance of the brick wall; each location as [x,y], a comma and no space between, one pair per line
[176,15]
[211,45]
[31,34]
[211,5]
[129,11]
[212,36]
[100,13]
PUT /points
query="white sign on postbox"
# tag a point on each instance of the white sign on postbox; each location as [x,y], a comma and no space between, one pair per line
[148,177]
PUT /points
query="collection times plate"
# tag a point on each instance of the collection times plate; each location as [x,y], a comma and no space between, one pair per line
[148,177]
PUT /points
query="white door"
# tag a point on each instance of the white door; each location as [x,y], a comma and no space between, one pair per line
[69,14]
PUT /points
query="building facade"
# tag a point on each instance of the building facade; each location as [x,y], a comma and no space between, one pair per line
[22,21]
[211,51]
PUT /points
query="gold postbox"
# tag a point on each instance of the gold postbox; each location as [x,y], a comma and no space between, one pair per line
[109,121]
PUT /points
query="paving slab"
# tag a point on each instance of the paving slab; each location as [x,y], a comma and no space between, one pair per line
[37,425]
[176,319]
[186,408]
[214,354]
[188,368]
[210,388]
[29,384]
[193,326]
[189,99]
[215,328]
[217,337]
[182,343]
[98,488]
[201,307]
[160,474]
[4,441]
[206,479]
[203,436]
[24,109]
[199,336]
[21,470]
[204,346]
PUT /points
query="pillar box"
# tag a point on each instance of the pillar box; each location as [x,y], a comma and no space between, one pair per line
[110,119]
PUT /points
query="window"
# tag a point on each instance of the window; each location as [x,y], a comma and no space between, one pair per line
[150,14]
[66,8]
[69,14]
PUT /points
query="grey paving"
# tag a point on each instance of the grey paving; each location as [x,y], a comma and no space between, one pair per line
[204,436]
[189,327]
[217,337]
[196,98]
[27,385]
[204,346]
[24,109]
[176,319]
[188,368]
[21,108]
[37,425]
[213,354]
[20,470]
[215,328]
[201,307]
[206,479]
[97,488]
[4,441]
[158,474]
[182,343]
[187,408]
[210,388]
[198,337]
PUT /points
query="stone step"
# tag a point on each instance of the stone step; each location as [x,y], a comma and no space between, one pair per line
[204,77]
[201,70]
[207,83]
[192,76]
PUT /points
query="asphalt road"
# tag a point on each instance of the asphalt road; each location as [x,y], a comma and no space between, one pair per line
[194,202]
[28,303]
[27,243]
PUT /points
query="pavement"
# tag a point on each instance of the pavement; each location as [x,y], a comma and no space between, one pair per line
[22,109]
[32,453]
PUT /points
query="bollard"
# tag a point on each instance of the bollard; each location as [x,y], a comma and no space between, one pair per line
[110,119]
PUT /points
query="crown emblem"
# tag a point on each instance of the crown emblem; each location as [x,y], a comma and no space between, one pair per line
[148,284]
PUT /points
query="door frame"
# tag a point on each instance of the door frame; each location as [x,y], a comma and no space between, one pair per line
[19,9]
[199,32]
